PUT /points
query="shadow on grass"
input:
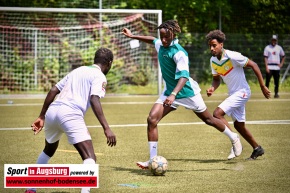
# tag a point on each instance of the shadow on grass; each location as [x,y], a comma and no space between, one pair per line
[200,160]
[208,161]
[134,171]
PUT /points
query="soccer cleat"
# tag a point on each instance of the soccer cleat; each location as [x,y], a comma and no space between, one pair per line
[256,153]
[276,96]
[30,191]
[143,165]
[237,146]
[232,154]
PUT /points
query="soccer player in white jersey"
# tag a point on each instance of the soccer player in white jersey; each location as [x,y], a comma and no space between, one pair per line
[78,90]
[274,58]
[180,89]
[229,66]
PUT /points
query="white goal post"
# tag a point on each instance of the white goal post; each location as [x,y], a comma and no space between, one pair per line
[38,46]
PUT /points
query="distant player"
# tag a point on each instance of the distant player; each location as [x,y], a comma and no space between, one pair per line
[274,57]
[180,88]
[229,66]
[78,90]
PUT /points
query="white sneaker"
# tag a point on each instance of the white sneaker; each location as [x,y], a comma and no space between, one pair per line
[232,154]
[237,146]
[143,165]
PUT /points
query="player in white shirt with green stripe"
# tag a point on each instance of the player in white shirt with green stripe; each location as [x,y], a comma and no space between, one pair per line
[180,89]
[77,91]
[229,66]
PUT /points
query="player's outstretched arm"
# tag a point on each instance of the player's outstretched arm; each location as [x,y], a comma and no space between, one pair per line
[256,69]
[98,111]
[146,39]
[38,124]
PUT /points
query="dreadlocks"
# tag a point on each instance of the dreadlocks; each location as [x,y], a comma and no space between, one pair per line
[171,25]
[216,34]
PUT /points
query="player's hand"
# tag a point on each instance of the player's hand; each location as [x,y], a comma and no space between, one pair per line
[169,100]
[127,32]
[209,91]
[111,138]
[266,92]
[37,125]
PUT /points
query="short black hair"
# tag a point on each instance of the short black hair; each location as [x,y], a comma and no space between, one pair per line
[103,56]
[216,34]
[171,25]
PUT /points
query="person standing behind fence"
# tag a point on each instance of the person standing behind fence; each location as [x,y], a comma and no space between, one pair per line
[274,58]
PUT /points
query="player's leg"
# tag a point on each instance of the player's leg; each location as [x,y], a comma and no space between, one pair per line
[276,76]
[73,124]
[219,125]
[220,114]
[268,78]
[86,150]
[199,107]
[247,135]
[52,137]
[158,111]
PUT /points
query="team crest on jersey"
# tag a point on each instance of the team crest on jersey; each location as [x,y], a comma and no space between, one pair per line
[104,86]
[223,68]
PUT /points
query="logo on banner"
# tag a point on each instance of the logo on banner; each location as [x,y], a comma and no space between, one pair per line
[51,175]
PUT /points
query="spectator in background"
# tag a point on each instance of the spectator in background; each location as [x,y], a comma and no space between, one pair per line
[274,58]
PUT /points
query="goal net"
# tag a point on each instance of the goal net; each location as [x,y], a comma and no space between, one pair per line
[39,46]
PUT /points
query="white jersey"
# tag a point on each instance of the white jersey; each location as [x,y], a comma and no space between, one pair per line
[273,54]
[230,68]
[77,87]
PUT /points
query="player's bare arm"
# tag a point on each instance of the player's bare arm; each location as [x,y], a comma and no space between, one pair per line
[38,124]
[256,69]
[214,85]
[98,111]
[146,39]
[170,99]
[282,62]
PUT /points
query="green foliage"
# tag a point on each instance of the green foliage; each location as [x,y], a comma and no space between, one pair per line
[114,76]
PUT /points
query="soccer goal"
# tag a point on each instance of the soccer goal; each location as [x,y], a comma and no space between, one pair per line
[38,46]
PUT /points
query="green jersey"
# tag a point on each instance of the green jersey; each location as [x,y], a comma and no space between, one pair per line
[174,64]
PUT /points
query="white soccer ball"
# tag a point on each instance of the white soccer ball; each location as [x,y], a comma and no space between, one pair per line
[158,165]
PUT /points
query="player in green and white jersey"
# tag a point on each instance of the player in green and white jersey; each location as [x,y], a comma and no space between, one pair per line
[180,89]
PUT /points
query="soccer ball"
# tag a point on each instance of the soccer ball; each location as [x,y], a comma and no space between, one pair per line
[158,165]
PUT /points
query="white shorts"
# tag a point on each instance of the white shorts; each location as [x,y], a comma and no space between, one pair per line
[61,119]
[195,103]
[235,105]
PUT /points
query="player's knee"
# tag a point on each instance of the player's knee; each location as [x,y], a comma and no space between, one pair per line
[50,148]
[152,121]
[217,115]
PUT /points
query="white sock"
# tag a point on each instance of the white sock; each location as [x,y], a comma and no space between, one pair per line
[230,134]
[153,148]
[42,158]
[87,161]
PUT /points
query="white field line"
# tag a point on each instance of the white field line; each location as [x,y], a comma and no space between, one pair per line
[142,103]
[260,122]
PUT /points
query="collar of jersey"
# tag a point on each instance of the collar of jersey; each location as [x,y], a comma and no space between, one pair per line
[174,41]
[96,66]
